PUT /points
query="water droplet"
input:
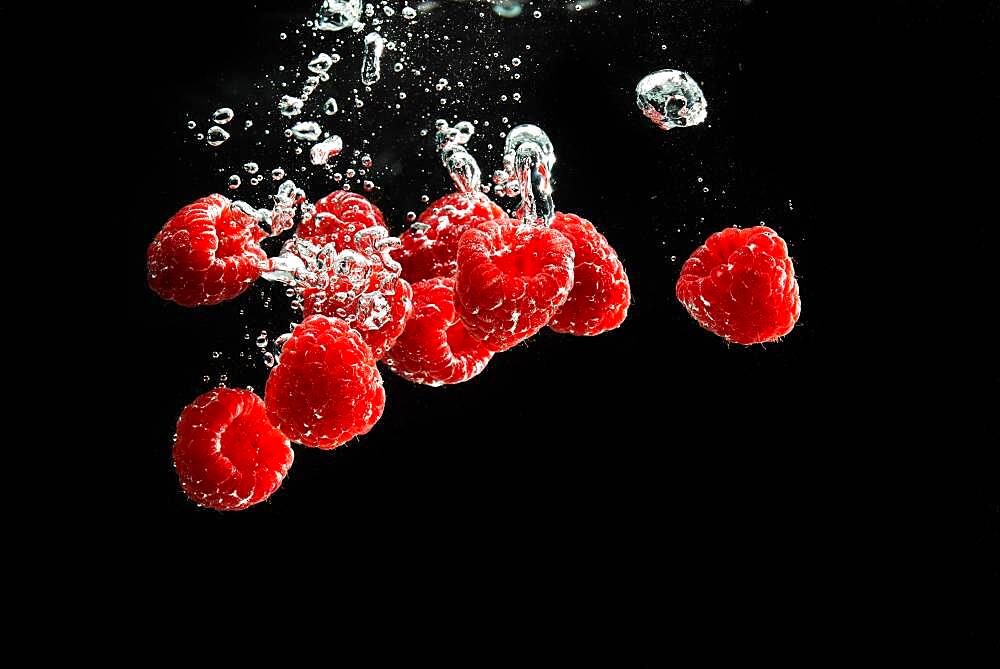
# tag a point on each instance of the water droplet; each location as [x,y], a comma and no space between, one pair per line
[410,217]
[402,95]
[262,339]
[517,97]
[309,130]
[223,116]
[216,354]
[320,153]
[290,106]
[389,11]
[268,359]
[192,125]
[358,103]
[516,62]
[673,258]
[337,14]
[537,14]
[234,182]
[366,160]
[330,107]
[277,174]
[409,13]
[251,168]
[425,199]
[371,67]
[671,99]
[217,136]
[368,185]
[283,36]
[350,173]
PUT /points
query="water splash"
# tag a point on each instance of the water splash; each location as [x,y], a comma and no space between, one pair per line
[671,99]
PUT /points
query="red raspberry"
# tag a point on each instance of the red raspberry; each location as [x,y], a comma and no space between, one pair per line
[511,280]
[338,217]
[433,250]
[378,333]
[601,295]
[325,389]
[435,348]
[207,253]
[227,455]
[740,285]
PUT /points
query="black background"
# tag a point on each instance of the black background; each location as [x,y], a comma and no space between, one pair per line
[655,456]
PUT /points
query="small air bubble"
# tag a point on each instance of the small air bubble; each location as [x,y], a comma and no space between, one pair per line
[192,125]
[277,174]
[217,136]
[410,217]
[234,182]
[368,185]
[251,168]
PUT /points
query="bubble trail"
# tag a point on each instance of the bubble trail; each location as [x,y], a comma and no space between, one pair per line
[371,67]
[529,155]
[461,165]
[671,99]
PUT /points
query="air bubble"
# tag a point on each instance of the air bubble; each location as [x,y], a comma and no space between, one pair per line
[217,136]
[223,116]
[410,217]
[368,185]
[192,125]
[338,14]
[251,168]
[671,99]
[234,182]
[371,65]
[290,106]
[508,9]
[309,130]
[277,174]
[409,13]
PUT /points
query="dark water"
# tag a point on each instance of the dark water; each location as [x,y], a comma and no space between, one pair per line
[656,442]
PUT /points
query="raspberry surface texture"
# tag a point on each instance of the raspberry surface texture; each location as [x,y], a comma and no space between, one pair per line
[600,297]
[325,389]
[338,218]
[435,349]
[511,280]
[740,284]
[227,455]
[430,246]
[206,253]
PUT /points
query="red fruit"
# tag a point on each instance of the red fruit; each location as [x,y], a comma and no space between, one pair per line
[338,217]
[325,390]
[390,308]
[207,253]
[601,295]
[227,455]
[511,280]
[433,250]
[740,285]
[435,348]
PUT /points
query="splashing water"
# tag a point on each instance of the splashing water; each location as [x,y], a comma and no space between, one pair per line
[671,99]
[371,67]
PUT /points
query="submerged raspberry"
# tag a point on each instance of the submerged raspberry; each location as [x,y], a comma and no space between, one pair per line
[227,455]
[207,253]
[430,246]
[600,297]
[740,284]
[338,218]
[435,348]
[511,280]
[326,389]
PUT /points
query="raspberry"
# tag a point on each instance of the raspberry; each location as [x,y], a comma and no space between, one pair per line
[435,348]
[740,285]
[207,253]
[338,217]
[511,280]
[325,389]
[382,311]
[601,295]
[227,455]
[431,251]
